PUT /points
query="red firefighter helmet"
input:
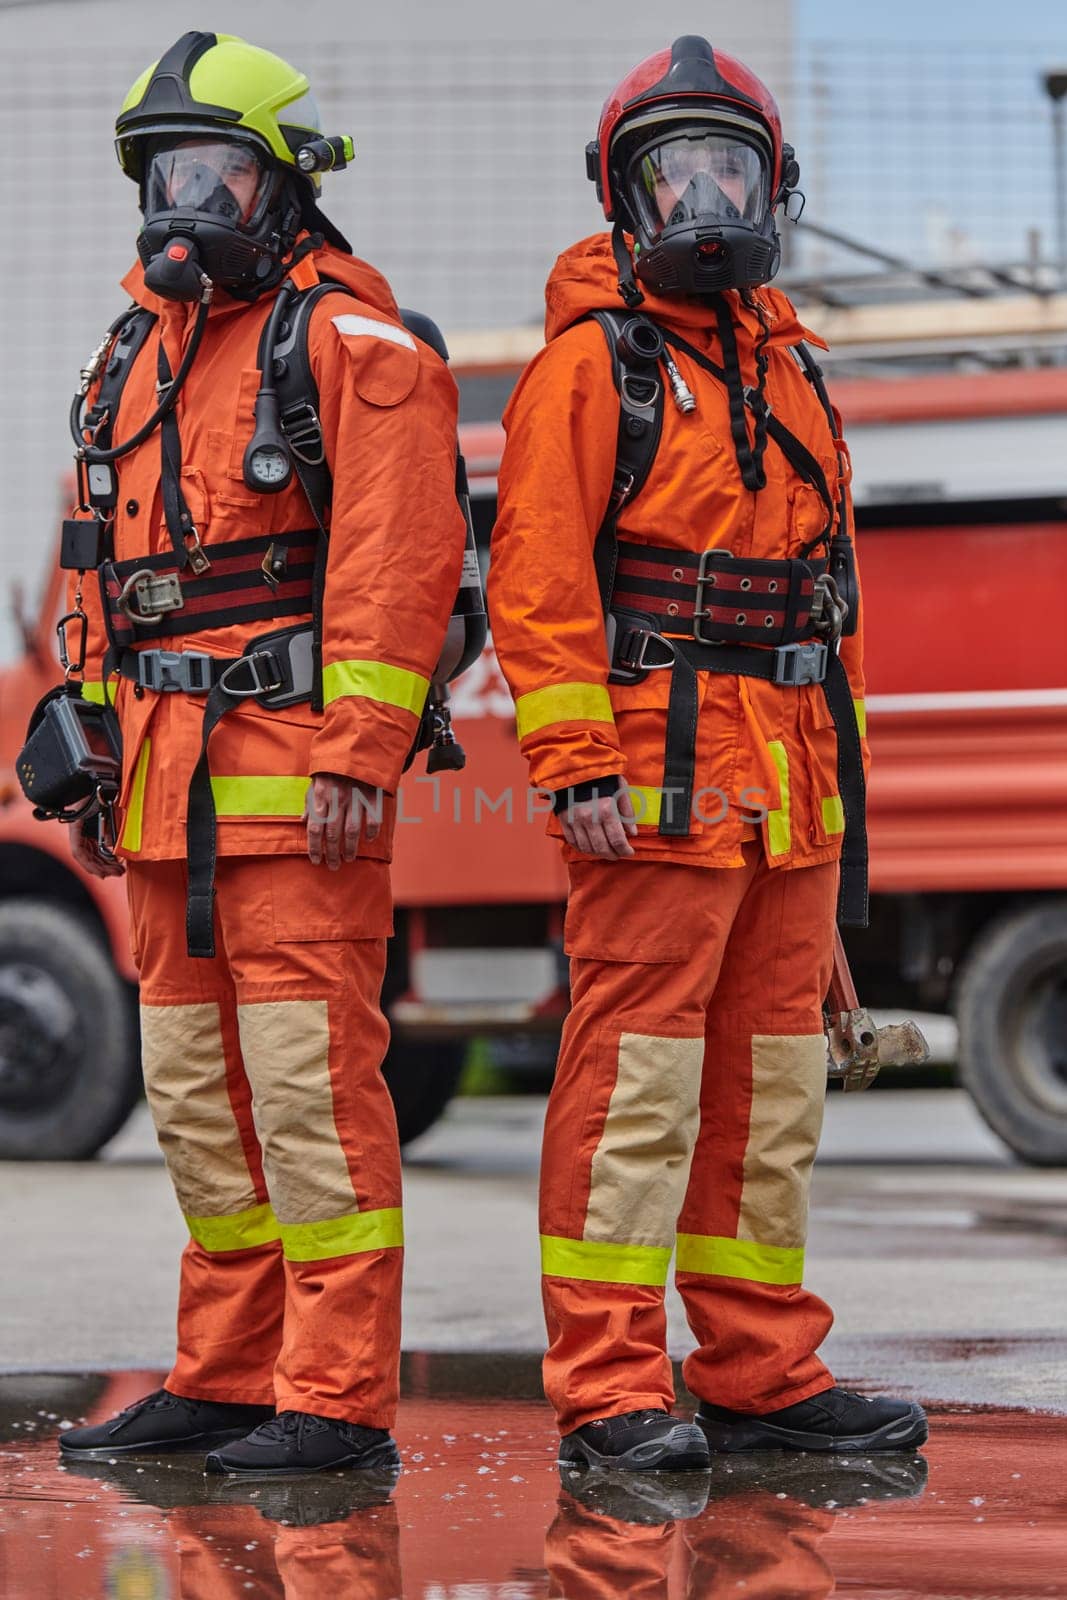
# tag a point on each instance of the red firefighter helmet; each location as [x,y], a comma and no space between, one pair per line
[689,159]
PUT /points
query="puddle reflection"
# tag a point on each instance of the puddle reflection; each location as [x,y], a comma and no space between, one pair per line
[482,1512]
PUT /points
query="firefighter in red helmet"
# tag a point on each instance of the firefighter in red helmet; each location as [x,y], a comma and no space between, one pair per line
[675,604]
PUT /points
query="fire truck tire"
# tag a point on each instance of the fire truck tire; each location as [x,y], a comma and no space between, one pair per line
[1011,1006]
[69,1062]
[422,1078]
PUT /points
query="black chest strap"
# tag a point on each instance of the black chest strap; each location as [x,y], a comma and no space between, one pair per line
[641,396]
[796,452]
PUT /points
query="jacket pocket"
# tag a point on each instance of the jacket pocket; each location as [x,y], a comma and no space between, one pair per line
[808,516]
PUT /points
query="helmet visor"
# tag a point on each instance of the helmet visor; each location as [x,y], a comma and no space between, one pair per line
[698,177]
[217,177]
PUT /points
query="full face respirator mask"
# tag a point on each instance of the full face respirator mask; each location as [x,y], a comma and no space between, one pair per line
[214,207]
[699,196]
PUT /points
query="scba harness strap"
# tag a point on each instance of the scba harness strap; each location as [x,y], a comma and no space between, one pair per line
[187,590]
[692,612]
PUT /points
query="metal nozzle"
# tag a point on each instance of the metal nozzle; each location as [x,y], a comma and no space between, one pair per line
[91,369]
[684,398]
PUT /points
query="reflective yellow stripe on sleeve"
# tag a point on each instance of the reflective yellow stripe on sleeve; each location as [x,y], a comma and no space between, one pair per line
[375,680]
[833,814]
[739,1258]
[94,691]
[604,1263]
[562,702]
[131,828]
[259,797]
[343,1236]
[779,836]
[860,707]
[244,1230]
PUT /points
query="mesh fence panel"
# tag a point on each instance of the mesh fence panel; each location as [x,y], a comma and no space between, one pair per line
[943,155]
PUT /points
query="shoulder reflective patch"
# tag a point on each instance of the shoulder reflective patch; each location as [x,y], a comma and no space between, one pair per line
[371,328]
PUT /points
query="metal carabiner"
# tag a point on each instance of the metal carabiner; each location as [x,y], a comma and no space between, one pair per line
[78,665]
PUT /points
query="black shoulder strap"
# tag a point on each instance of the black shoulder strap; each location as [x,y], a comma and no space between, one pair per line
[813,372]
[841,562]
[640,390]
[298,397]
[130,332]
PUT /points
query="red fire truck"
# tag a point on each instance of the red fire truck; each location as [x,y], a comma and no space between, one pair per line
[961,495]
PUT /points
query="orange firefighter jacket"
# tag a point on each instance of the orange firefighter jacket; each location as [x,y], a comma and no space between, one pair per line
[388,410]
[757,744]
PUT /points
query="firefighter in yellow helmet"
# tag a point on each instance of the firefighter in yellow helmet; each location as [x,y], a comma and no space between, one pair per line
[271,610]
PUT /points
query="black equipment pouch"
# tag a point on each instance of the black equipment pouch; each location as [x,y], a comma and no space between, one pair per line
[82,544]
[72,757]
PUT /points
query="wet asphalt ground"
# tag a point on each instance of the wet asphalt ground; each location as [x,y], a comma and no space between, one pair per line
[480,1511]
[945,1260]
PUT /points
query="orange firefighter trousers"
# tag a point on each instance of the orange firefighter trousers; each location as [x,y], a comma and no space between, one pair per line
[685,1114]
[262,1070]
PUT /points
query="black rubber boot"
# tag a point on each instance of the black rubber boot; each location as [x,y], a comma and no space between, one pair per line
[163,1421]
[637,1441]
[835,1420]
[296,1442]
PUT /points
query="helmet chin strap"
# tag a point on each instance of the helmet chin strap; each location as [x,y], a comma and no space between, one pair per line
[628,289]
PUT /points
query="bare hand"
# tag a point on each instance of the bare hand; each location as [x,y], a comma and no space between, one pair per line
[601,827]
[91,855]
[339,810]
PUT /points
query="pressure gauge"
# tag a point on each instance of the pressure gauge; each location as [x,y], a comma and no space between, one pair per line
[267,467]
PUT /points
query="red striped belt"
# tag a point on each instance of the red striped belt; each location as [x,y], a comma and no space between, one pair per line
[715,597]
[250,580]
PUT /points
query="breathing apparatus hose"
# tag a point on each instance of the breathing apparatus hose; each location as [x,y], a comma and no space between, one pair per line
[90,453]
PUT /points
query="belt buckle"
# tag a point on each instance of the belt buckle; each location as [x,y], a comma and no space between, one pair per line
[173,671]
[797,664]
[706,580]
[146,596]
[252,662]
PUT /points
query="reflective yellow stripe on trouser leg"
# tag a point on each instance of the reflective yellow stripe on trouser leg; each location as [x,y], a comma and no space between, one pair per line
[785,1120]
[639,1169]
[286,1047]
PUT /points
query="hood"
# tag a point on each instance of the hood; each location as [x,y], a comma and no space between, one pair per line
[365,282]
[585,278]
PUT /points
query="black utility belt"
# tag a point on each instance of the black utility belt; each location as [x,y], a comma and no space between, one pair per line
[276,669]
[636,648]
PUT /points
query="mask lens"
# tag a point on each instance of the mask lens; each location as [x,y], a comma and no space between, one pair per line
[699,176]
[218,177]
